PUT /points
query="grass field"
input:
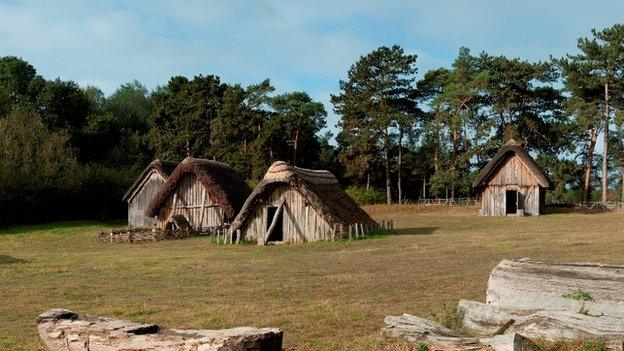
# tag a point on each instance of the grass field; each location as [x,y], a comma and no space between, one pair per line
[325,296]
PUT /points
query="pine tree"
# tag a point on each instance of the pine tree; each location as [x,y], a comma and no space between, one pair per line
[379,87]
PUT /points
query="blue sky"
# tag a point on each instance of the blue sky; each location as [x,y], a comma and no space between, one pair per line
[300,45]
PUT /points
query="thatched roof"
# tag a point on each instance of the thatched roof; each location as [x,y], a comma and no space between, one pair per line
[320,188]
[511,147]
[164,168]
[221,181]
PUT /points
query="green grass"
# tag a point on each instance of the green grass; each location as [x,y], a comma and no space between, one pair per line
[325,296]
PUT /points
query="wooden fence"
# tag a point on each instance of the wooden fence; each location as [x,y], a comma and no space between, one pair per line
[136,235]
[458,201]
[603,206]
[223,234]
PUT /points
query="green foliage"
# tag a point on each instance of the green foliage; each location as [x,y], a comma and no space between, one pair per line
[378,95]
[16,76]
[423,347]
[183,111]
[37,168]
[589,345]
[364,196]
[384,138]
[63,105]
[578,295]
[300,119]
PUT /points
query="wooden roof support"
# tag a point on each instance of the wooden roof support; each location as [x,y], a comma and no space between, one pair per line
[278,212]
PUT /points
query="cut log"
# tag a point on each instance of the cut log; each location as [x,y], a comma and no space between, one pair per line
[526,284]
[63,330]
[439,337]
[542,324]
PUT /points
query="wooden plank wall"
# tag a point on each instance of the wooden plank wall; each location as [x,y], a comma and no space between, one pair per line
[141,199]
[301,222]
[512,175]
[189,200]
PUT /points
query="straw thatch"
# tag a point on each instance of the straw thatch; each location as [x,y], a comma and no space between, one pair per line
[319,188]
[510,148]
[164,168]
[223,184]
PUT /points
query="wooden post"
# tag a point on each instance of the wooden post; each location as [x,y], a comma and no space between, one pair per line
[175,202]
[203,209]
[238,236]
[362,229]
[349,231]
[333,237]
[357,230]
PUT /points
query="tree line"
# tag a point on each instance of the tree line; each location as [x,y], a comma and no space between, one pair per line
[69,151]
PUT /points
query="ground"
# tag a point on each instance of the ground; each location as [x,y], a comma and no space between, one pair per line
[325,296]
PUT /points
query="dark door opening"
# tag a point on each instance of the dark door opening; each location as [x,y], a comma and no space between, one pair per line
[278,230]
[512,202]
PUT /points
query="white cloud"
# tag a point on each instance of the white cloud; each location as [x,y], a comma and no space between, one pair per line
[299,45]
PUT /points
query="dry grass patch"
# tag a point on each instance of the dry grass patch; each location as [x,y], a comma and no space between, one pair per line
[326,296]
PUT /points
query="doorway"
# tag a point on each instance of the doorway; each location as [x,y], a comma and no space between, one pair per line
[278,230]
[511,202]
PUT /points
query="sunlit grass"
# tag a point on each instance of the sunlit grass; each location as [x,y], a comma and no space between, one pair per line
[326,296]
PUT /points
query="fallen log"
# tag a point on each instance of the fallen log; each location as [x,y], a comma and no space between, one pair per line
[557,301]
[439,337]
[542,324]
[527,284]
[63,330]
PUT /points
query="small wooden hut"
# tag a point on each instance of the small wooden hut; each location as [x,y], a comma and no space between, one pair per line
[199,193]
[512,183]
[149,182]
[295,205]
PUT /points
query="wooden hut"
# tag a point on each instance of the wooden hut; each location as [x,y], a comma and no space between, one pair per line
[199,193]
[149,182]
[295,205]
[512,183]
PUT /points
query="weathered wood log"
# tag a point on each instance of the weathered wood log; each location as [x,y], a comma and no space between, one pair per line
[63,330]
[438,337]
[536,285]
[543,324]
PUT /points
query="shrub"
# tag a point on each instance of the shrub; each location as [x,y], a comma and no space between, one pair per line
[364,196]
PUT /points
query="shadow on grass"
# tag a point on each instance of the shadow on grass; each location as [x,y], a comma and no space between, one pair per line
[415,231]
[572,209]
[5,259]
[59,226]
[402,231]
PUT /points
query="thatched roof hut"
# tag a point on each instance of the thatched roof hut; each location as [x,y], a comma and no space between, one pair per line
[208,193]
[512,183]
[299,205]
[147,184]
